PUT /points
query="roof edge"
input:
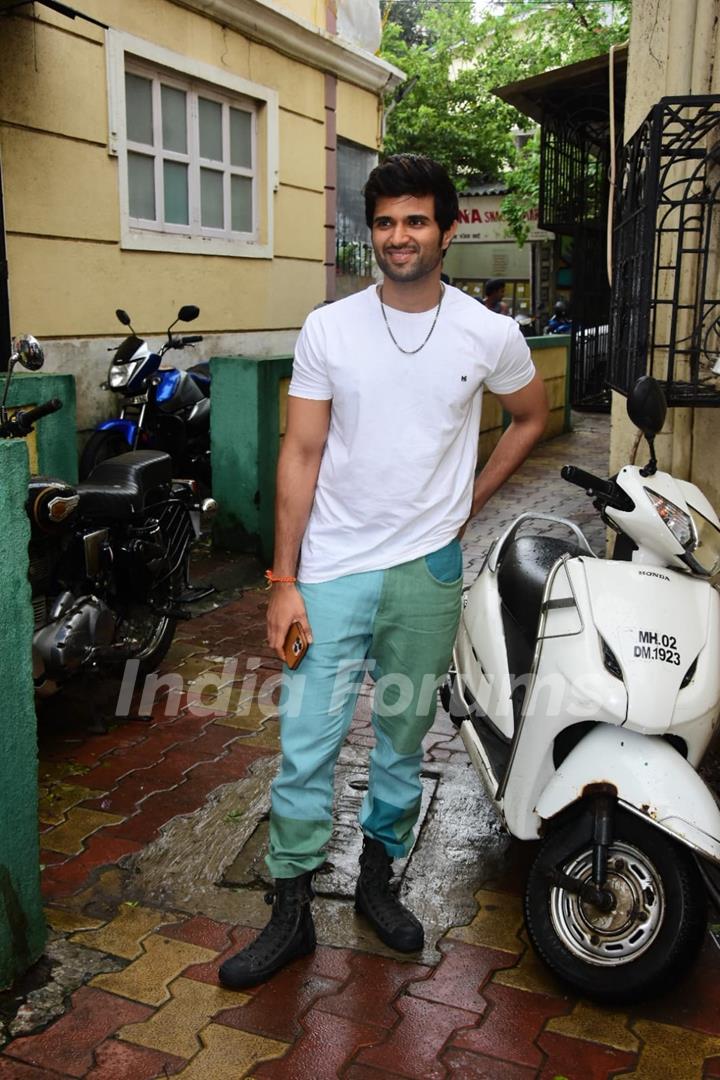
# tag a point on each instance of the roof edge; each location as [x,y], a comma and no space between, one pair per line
[299,39]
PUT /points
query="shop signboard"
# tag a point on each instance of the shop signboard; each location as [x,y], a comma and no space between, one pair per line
[481,221]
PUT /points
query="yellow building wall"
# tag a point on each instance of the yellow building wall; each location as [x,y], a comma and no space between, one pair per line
[315,11]
[358,115]
[67,270]
[674,50]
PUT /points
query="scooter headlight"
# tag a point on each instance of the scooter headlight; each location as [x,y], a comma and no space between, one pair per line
[678,522]
[705,556]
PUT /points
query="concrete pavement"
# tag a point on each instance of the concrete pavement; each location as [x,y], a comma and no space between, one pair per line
[153,834]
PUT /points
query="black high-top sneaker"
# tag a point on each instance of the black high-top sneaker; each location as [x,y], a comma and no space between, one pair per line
[289,934]
[392,922]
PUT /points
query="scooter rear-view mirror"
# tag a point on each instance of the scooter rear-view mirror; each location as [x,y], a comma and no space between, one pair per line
[646,406]
[123,316]
[647,409]
[188,312]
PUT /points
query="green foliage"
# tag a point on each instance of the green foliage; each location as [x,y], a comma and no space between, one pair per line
[446,111]
[408,15]
[454,58]
[523,192]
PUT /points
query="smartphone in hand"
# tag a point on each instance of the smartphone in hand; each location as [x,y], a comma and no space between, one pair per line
[295,646]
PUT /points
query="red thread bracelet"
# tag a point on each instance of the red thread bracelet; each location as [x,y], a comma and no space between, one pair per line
[272,580]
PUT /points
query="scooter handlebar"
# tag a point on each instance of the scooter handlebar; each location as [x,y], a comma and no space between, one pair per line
[192,339]
[586,480]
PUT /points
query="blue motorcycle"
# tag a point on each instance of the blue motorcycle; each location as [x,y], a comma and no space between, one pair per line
[160,408]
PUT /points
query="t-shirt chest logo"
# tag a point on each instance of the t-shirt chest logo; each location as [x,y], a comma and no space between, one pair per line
[463,378]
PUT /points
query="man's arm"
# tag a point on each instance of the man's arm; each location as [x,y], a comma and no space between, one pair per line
[298,465]
[529,410]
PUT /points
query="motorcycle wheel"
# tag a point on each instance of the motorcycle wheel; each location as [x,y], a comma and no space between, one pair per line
[99,447]
[655,929]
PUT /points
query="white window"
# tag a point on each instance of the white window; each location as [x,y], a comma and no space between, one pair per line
[197,152]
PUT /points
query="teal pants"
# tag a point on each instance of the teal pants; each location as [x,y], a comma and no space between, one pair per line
[399,625]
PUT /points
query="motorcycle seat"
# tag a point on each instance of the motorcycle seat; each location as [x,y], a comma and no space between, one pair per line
[119,487]
[523,571]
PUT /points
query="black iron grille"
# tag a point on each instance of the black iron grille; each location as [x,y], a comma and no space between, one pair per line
[665,310]
[352,256]
[573,174]
[174,520]
[574,190]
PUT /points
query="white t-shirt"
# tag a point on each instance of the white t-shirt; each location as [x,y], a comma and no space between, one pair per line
[396,476]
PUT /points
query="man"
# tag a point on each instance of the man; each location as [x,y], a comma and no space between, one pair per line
[560,322]
[375,484]
[494,293]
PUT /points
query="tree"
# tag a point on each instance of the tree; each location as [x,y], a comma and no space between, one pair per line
[408,15]
[458,57]
[446,111]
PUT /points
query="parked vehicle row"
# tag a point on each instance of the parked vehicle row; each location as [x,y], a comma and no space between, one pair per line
[109,557]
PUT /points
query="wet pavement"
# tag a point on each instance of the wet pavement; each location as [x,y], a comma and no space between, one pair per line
[153,833]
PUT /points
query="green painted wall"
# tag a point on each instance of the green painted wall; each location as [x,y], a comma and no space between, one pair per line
[245,442]
[245,429]
[56,435]
[22,926]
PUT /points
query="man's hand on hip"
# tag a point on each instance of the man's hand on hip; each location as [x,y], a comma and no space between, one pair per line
[286,606]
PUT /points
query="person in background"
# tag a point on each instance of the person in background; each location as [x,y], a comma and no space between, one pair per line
[560,323]
[494,292]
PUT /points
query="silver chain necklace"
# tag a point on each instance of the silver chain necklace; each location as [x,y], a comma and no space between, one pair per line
[411,352]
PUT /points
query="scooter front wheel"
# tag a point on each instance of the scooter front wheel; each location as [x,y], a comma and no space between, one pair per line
[656,924]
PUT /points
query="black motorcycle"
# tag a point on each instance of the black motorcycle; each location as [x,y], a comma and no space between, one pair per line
[109,557]
[160,408]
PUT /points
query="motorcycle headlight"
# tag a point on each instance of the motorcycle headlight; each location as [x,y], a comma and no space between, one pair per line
[705,556]
[119,375]
[678,522]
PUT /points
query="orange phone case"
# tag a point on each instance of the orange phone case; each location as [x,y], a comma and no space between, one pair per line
[296,645]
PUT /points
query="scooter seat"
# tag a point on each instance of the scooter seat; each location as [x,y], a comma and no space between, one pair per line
[523,572]
[119,487]
[524,569]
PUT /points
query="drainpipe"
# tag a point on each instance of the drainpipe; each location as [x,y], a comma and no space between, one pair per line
[5,337]
[678,81]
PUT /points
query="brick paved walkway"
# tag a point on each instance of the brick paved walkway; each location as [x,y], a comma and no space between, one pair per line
[141,825]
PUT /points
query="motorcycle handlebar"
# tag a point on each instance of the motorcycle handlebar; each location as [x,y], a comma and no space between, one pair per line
[181,342]
[22,422]
[48,407]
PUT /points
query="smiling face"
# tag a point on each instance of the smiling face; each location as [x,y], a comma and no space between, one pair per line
[407,240]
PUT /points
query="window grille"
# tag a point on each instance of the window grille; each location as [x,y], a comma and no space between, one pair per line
[574,154]
[665,310]
[353,251]
[573,174]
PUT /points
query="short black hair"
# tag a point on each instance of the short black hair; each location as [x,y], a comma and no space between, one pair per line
[493,284]
[412,174]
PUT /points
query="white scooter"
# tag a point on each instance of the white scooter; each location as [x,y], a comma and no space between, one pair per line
[586,692]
